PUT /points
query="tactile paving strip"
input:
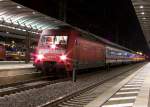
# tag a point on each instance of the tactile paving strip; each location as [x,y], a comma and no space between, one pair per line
[126,96]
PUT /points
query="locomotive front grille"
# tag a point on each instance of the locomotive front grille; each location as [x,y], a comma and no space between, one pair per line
[53,62]
[50,63]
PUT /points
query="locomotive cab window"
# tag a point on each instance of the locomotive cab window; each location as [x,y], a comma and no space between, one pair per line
[54,41]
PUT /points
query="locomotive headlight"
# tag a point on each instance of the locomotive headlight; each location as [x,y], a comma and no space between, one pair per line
[40,57]
[63,57]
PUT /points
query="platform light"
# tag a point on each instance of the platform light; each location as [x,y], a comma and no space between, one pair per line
[141,7]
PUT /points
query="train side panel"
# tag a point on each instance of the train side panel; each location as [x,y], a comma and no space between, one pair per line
[71,50]
[89,54]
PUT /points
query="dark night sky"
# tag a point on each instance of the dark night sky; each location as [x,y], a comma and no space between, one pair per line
[114,20]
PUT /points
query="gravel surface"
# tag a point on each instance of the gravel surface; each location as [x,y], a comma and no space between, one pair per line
[35,97]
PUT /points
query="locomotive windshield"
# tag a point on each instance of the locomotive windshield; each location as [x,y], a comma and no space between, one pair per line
[49,41]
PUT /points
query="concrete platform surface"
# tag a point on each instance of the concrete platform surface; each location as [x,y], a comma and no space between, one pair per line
[11,65]
[123,94]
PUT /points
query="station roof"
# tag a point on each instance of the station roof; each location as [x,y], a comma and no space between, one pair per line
[142,8]
[14,14]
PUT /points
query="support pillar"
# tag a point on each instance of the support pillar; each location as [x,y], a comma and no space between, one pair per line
[62,10]
[75,63]
[27,53]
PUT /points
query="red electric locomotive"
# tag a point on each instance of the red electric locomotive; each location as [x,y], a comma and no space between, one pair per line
[62,48]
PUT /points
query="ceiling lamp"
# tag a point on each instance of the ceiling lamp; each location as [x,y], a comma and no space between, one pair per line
[19,7]
[142,13]
[141,7]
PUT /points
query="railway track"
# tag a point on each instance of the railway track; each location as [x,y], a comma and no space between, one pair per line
[39,81]
[84,96]
[8,89]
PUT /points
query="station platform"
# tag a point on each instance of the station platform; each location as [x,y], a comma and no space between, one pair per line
[133,91]
[13,65]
